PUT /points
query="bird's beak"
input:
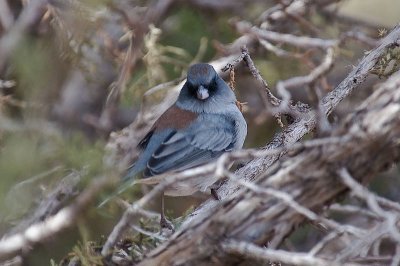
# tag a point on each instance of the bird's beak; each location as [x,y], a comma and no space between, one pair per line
[202,93]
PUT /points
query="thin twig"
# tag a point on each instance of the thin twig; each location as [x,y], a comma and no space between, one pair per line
[372,201]
[218,168]
[267,96]
[396,257]
[272,36]
[269,255]
[289,200]
[314,75]
[148,233]
[64,219]
[6,17]
[321,244]
[28,18]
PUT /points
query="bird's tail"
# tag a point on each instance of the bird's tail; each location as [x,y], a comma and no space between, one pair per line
[128,181]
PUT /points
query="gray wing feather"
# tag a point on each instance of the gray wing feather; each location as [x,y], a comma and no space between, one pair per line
[200,144]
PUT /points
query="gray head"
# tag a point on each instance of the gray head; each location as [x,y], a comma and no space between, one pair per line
[205,91]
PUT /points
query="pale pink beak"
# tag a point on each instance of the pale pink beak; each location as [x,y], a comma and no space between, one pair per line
[202,93]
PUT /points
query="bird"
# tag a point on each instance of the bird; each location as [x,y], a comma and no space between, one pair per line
[203,123]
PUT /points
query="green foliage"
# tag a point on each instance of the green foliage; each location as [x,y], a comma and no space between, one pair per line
[130,249]
[85,254]
[33,162]
[37,70]
[268,70]
[36,155]
[187,27]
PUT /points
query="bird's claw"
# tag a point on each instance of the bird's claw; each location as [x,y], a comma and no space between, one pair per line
[166,227]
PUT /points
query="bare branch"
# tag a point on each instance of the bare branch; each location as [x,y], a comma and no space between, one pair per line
[266,255]
[29,16]
[65,218]
[298,41]
[372,201]
[315,74]
[247,216]
[297,130]
[6,17]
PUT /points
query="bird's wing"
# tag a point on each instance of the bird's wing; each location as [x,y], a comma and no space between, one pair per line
[206,139]
[201,143]
[151,141]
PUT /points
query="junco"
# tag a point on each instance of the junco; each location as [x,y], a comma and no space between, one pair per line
[203,123]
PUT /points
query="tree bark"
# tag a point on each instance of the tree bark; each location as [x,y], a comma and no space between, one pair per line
[310,179]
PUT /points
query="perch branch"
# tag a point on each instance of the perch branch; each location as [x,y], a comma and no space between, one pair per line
[250,217]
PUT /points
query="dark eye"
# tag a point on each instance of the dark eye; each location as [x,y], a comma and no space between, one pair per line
[191,89]
[212,86]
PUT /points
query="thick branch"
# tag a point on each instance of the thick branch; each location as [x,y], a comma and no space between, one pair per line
[301,127]
[309,178]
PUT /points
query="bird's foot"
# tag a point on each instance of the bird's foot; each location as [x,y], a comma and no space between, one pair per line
[166,227]
[214,191]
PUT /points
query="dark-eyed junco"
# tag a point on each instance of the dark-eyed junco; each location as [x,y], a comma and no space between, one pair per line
[203,123]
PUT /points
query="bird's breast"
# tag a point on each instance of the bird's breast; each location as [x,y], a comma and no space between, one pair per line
[175,118]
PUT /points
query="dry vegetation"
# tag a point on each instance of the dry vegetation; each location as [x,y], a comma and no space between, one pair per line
[82,81]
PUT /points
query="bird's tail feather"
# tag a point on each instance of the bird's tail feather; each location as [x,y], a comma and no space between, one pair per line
[128,181]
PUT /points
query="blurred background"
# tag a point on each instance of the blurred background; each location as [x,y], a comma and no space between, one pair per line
[73,72]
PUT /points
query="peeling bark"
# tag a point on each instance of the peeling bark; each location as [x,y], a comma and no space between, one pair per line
[309,177]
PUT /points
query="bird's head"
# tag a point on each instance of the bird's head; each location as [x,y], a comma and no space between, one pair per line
[201,81]
[204,90]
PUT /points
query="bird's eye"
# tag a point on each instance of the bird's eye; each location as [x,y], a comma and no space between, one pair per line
[213,85]
[191,88]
